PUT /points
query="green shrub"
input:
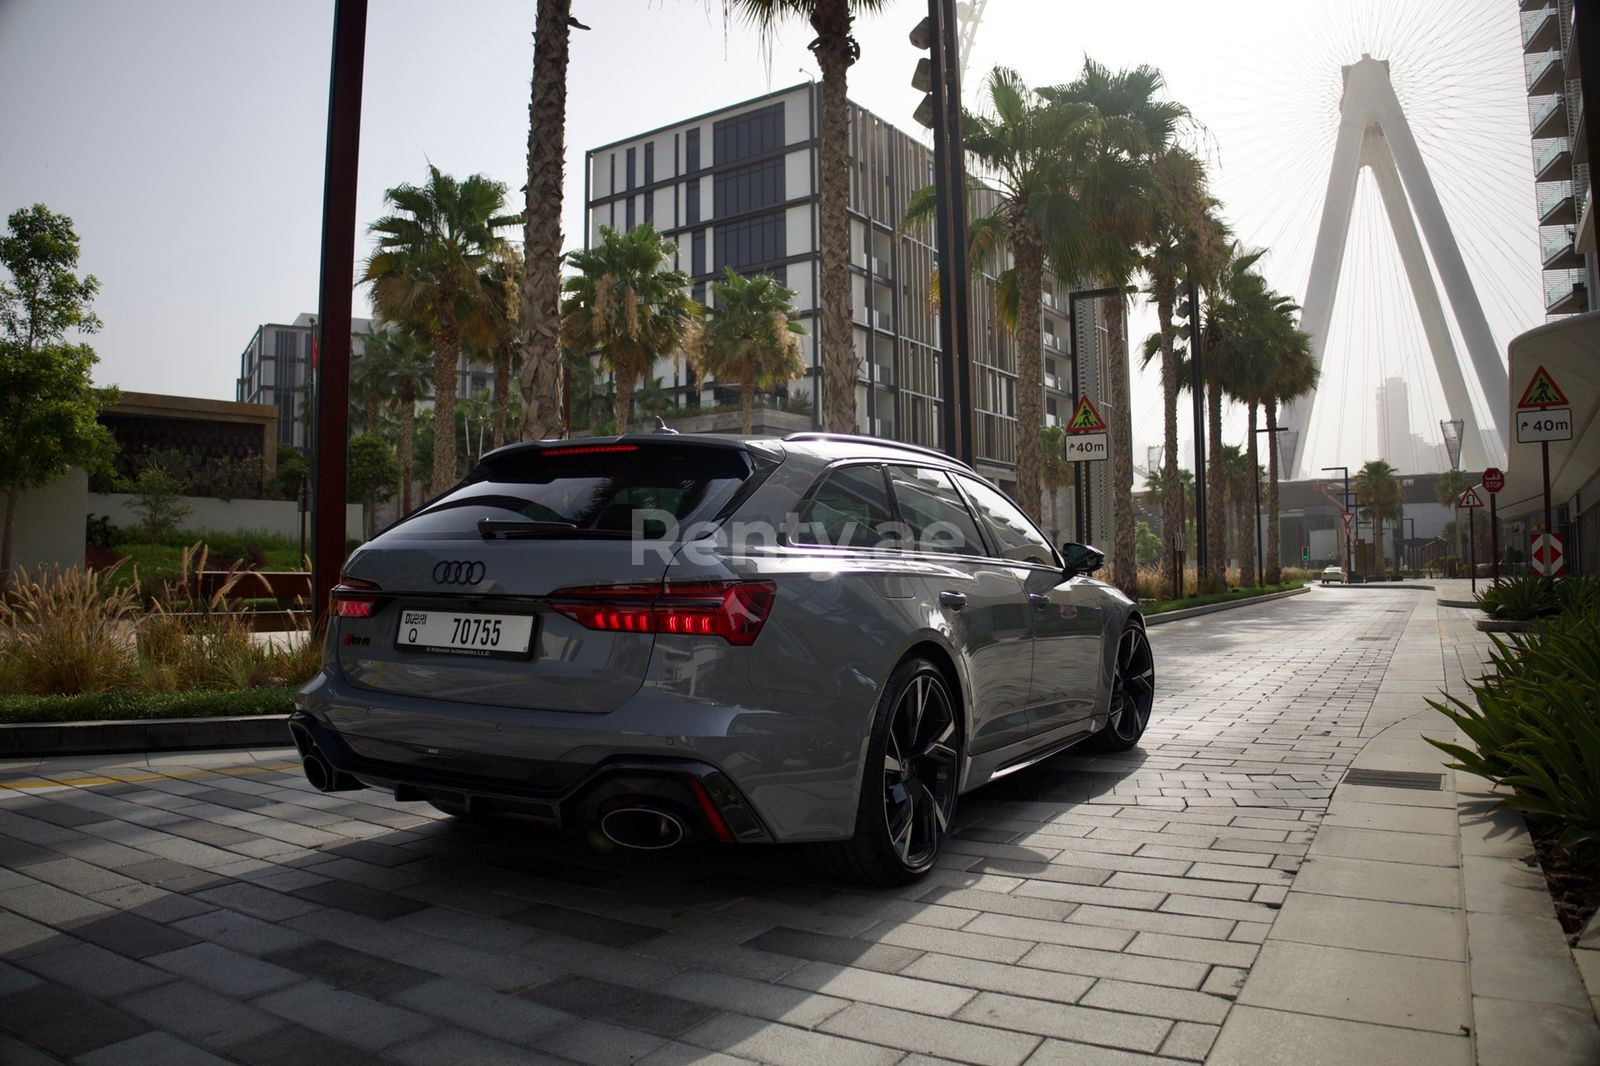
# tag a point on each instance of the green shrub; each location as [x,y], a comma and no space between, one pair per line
[1520,599]
[1534,724]
[123,704]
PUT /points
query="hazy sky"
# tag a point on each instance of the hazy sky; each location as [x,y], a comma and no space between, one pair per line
[186,141]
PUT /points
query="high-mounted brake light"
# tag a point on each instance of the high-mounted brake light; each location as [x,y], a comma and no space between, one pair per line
[732,610]
[352,598]
[588,449]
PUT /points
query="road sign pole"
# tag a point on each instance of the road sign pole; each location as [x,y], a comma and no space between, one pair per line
[1494,539]
[1544,455]
[1472,550]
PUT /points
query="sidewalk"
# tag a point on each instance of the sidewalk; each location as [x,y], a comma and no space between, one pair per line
[1418,929]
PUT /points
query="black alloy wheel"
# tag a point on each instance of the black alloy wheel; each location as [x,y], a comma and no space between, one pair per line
[1133,690]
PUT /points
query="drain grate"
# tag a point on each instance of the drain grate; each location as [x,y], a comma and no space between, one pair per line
[1394,779]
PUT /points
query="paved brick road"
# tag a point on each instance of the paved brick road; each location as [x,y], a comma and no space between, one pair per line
[202,908]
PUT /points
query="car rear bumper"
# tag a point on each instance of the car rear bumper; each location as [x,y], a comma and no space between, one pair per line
[725,775]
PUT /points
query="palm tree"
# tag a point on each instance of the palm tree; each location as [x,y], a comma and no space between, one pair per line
[1055,471]
[402,369]
[1135,128]
[1382,500]
[836,50]
[1292,372]
[624,303]
[426,275]
[1187,240]
[541,376]
[749,337]
[1033,213]
[495,332]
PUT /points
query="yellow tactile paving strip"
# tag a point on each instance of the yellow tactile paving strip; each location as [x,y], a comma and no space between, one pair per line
[26,784]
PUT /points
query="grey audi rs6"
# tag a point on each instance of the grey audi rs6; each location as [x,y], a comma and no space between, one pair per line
[821,639]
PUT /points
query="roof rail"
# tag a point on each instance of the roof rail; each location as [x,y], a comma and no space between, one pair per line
[881,442]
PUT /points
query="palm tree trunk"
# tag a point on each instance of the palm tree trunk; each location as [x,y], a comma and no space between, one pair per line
[624,400]
[1247,506]
[446,363]
[408,443]
[1171,489]
[1216,577]
[541,224]
[502,393]
[1030,368]
[1124,567]
[835,51]
[371,414]
[1274,563]
[747,399]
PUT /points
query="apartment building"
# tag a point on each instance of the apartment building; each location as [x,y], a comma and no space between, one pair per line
[737,188]
[1560,158]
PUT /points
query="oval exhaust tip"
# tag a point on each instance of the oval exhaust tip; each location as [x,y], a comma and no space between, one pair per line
[642,828]
[319,773]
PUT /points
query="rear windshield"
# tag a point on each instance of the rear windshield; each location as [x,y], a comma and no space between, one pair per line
[601,491]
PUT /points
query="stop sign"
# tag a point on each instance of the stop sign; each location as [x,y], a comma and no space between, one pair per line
[1494,479]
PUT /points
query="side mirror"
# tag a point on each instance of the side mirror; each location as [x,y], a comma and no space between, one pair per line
[1082,559]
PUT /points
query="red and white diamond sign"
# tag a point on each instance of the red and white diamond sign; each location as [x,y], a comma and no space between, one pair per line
[1548,555]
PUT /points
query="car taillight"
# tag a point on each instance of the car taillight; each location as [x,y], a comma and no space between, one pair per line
[352,598]
[732,610]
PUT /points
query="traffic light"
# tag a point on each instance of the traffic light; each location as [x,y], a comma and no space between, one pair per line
[922,80]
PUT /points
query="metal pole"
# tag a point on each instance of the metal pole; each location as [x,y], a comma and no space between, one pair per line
[1544,456]
[1349,541]
[334,299]
[1197,394]
[1261,573]
[950,196]
[1472,548]
[1494,539]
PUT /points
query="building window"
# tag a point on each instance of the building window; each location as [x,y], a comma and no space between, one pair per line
[632,155]
[749,243]
[691,150]
[650,163]
[753,133]
[748,188]
[630,218]
[697,259]
[649,206]
[691,204]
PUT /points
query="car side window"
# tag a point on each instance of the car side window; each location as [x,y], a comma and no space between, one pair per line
[935,516]
[850,509]
[1015,537]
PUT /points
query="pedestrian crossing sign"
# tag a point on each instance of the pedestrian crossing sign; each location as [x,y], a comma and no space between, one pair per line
[1086,419]
[1542,391]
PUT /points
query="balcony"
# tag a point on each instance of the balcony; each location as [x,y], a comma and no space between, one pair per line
[883,320]
[1565,294]
[1052,342]
[1541,30]
[1547,116]
[1557,251]
[1557,207]
[1545,73]
[880,266]
[1553,161]
[1535,5]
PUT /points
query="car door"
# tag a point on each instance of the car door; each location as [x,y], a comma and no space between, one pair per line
[980,597]
[1068,613]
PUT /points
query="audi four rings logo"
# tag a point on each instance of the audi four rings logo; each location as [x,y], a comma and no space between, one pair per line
[458,573]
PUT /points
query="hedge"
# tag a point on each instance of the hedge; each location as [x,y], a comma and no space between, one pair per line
[1249,593]
[123,704]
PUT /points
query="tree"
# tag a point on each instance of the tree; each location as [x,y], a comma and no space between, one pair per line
[426,275]
[541,226]
[1055,471]
[1229,335]
[497,330]
[749,337]
[1135,127]
[158,496]
[1146,545]
[1033,213]
[49,407]
[1382,499]
[1187,240]
[291,469]
[371,473]
[624,303]
[402,369]
[1292,373]
[836,50]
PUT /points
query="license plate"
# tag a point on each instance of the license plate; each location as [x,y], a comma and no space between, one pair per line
[489,636]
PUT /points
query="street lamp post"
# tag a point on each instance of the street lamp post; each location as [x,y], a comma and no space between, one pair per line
[1410,544]
[1261,564]
[1350,540]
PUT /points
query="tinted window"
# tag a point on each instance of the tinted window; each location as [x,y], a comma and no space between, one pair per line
[1014,536]
[935,516]
[849,509]
[594,491]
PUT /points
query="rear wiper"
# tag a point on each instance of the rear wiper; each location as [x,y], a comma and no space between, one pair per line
[490,528]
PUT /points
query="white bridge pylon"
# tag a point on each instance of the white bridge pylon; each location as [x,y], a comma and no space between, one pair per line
[1373,132]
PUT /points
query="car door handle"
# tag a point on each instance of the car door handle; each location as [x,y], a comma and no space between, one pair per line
[953,599]
[1039,600]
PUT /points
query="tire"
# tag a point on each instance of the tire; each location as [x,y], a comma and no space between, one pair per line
[908,790]
[1133,691]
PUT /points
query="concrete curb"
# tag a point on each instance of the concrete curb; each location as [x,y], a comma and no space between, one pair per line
[1498,625]
[143,734]
[1212,608]
[1470,605]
